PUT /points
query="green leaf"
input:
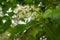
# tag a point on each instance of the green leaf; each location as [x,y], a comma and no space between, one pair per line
[47,13]
[11,14]
[55,11]
[32,22]
[56,17]
[31,34]
[18,29]
[52,31]
[5,26]
[27,1]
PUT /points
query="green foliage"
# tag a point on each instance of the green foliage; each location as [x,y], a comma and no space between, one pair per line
[45,19]
[18,29]
[6,25]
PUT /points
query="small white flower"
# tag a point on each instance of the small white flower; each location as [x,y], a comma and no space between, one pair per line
[12,21]
[44,36]
[15,11]
[40,4]
[17,4]
[14,16]
[29,18]
[9,10]
[4,21]
[8,34]
[24,30]
[6,14]
[40,38]
[21,22]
